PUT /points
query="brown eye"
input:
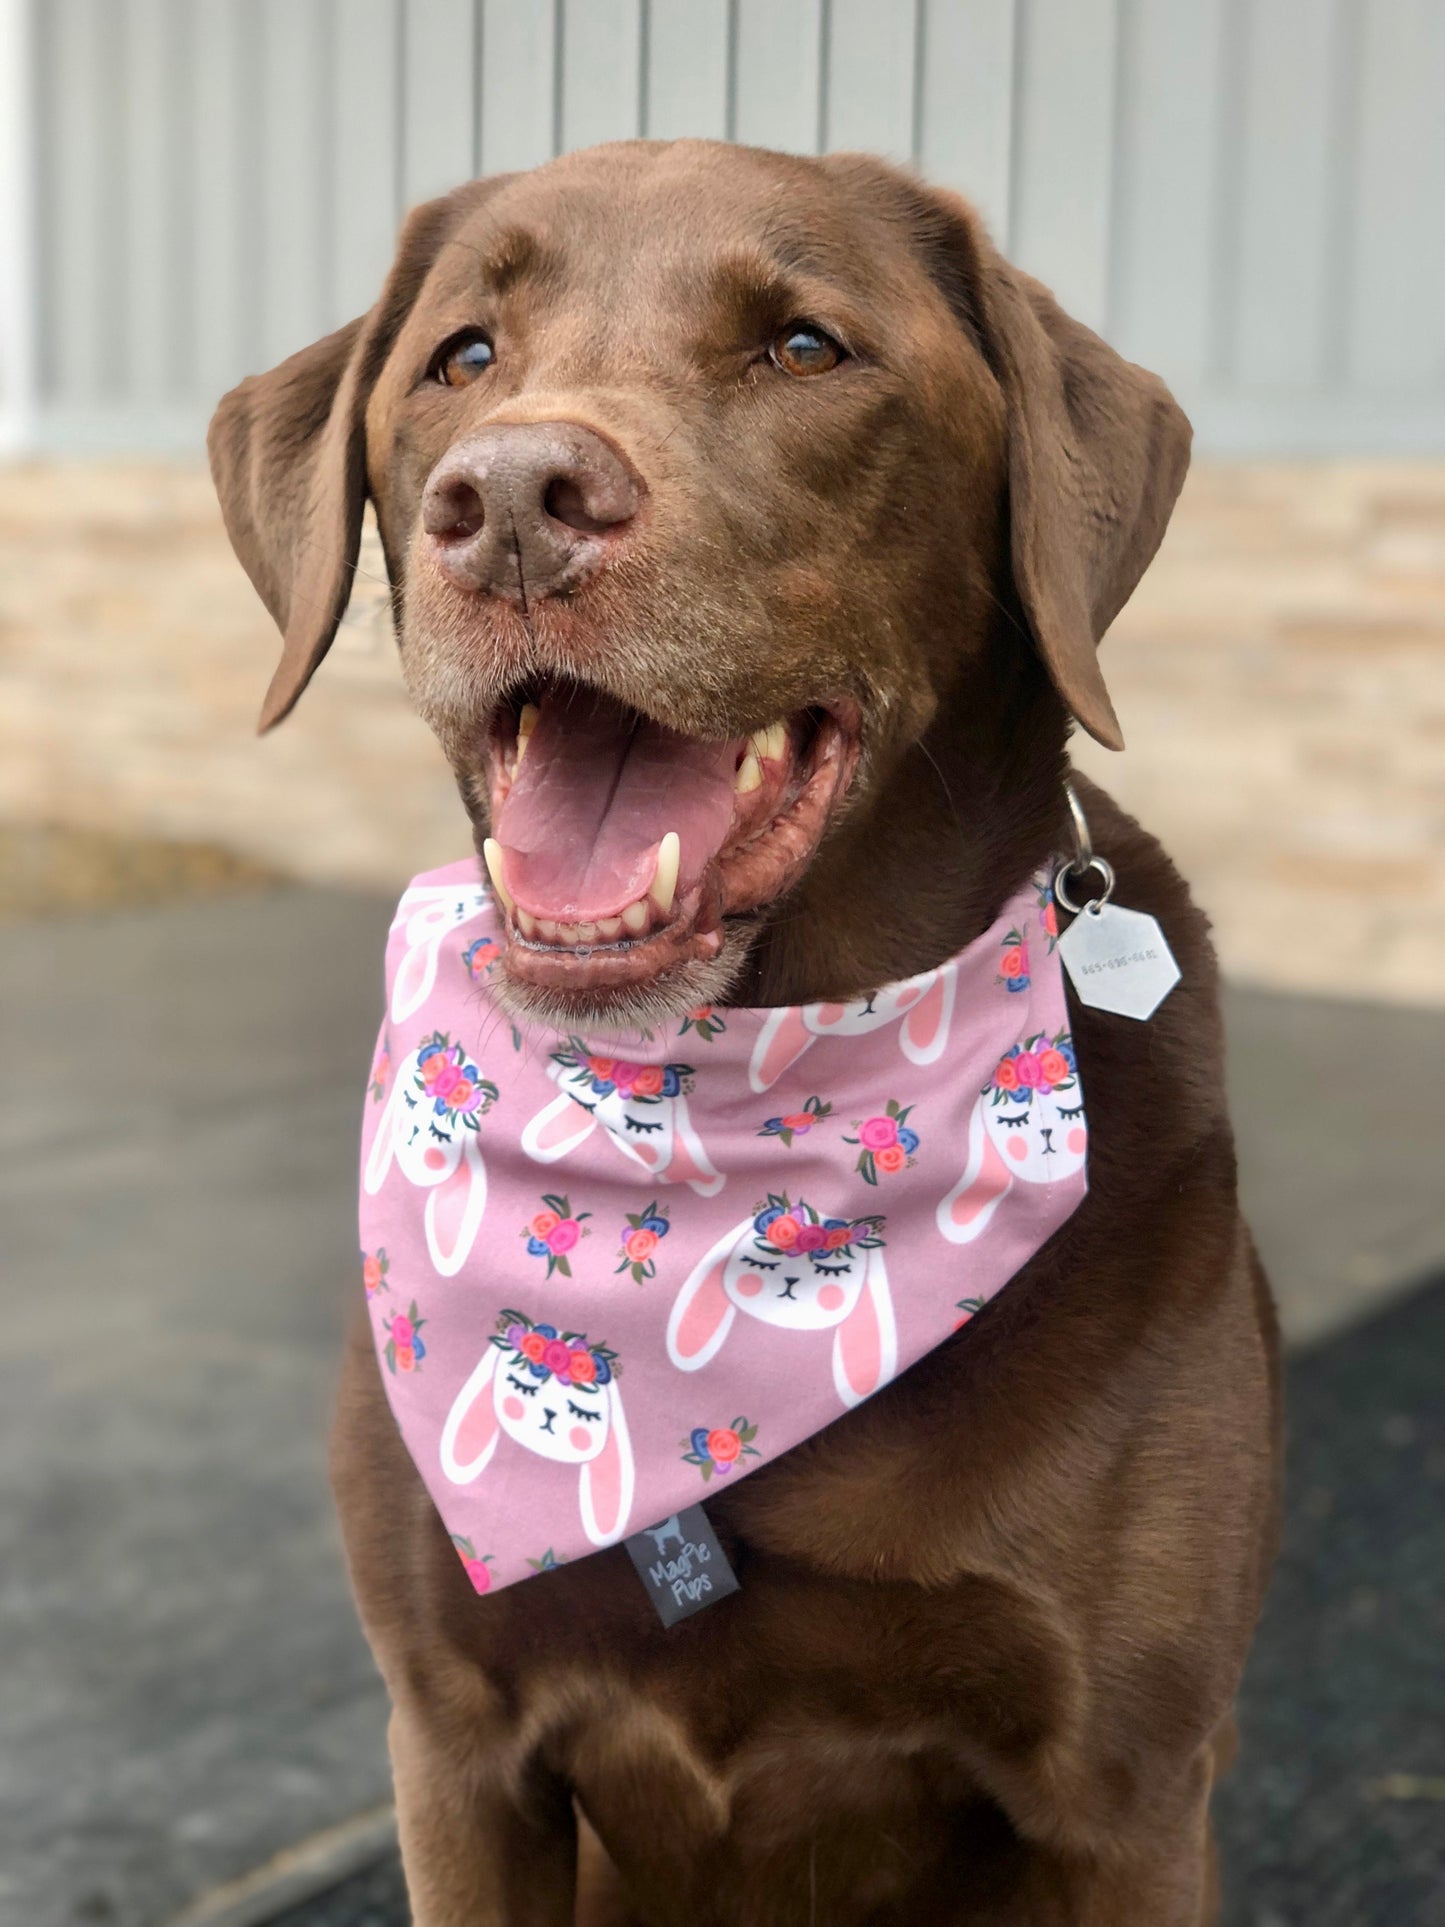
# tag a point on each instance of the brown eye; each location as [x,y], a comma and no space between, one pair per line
[462,359]
[802,349]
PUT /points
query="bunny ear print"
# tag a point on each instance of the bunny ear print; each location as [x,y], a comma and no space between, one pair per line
[557,1129]
[469,1437]
[965,1213]
[604,1491]
[782,1041]
[925,1028]
[383,1145]
[454,1210]
[865,1345]
[690,1163]
[415,975]
[703,1314]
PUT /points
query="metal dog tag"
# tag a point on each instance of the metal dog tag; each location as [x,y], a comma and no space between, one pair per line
[1118,960]
[681,1565]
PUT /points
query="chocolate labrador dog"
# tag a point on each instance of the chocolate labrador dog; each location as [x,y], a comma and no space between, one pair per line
[687,444]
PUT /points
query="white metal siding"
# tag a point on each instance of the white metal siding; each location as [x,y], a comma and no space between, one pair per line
[1245,194]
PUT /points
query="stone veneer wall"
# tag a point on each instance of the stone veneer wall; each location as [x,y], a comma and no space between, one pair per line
[1280,676]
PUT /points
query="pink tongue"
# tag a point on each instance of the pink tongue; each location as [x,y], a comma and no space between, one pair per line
[598,789]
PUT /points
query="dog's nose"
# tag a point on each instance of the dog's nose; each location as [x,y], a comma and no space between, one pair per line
[524,510]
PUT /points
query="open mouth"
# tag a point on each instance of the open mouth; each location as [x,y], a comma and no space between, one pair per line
[620,846]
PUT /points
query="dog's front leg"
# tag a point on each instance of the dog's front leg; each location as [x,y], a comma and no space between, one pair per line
[478,1852]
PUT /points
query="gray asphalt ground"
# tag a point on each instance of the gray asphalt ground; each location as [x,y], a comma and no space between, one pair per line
[186,1692]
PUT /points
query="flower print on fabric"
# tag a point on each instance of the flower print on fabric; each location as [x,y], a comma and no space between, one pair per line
[781,1226]
[477,1567]
[800,1270]
[1038,1065]
[545,1354]
[1048,916]
[797,1123]
[970,1307]
[549,1562]
[380,1070]
[374,1267]
[556,1394]
[1027,1127]
[604,1076]
[456,1087]
[479,957]
[887,1141]
[554,1231]
[404,1349]
[641,1233]
[706,1022]
[1013,965]
[718,1450]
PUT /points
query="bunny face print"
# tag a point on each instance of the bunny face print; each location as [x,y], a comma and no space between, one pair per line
[556,1396]
[428,915]
[919,1010]
[1028,1127]
[429,1127]
[1033,1111]
[791,1267]
[642,1108]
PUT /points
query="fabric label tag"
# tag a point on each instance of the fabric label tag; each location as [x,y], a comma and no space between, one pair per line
[682,1565]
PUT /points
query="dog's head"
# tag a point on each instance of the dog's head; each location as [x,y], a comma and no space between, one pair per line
[752,526]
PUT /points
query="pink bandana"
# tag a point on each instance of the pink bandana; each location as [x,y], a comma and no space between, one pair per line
[604,1273]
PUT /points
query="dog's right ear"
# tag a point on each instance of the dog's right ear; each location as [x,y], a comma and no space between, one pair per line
[288,457]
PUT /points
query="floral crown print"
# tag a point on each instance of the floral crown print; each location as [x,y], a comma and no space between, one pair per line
[787,1227]
[1040,1064]
[641,1083]
[546,1353]
[445,1074]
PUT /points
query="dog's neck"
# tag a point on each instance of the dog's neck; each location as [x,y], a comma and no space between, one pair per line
[920,870]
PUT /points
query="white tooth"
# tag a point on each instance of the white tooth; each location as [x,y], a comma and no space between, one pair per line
[609,927]
[664,882]
[770,742]
[526,723]
[587,933]
[546,930]
[749,776]
[634,917]
[525,923]
[492,851]
[566,933]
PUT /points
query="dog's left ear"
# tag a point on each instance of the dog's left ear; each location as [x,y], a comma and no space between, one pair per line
[288,458]
[1097,447]
[1097,453]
